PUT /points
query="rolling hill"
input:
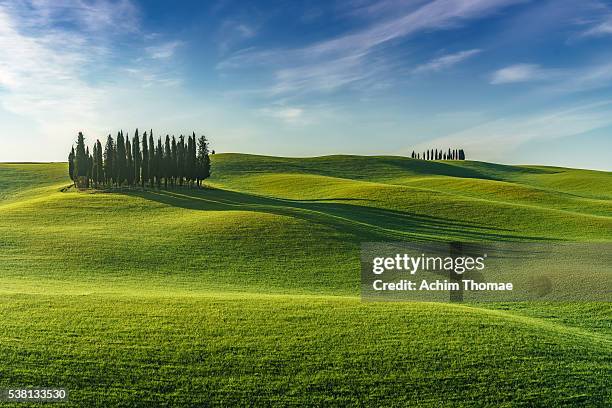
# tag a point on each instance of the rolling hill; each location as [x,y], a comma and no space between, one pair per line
[248,291]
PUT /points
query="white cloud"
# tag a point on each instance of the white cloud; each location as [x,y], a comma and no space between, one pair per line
[164,50]
[96,18]
[343,60]
[445,61]
[51,51]
[287,114]
[558,81]
[520,73]
[40,73]
[604,28]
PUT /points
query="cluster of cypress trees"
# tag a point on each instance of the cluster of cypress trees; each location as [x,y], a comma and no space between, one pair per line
[435,154]
[140,163]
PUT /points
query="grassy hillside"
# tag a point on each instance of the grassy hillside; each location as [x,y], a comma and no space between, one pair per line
[248,290]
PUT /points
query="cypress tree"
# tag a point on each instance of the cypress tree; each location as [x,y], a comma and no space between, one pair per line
[194,157]
[80,158]
[71,164]
[136,157]
[167,161]
[109,160]
[181,159]
[89,172]
[151,159]
[130,162]
[203,160]
[144,177]
[173,164]
[159,162]
[121,161]
[90,177]
[187,168]
[94,168]
[191,159]
[98,173]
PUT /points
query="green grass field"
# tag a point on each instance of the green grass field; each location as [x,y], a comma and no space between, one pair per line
[247,292]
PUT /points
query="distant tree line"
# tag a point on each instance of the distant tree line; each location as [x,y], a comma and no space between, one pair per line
[435,154]
[168,162]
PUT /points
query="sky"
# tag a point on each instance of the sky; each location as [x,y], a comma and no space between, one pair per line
[509,81]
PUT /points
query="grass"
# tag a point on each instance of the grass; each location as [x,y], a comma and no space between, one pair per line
[246,293]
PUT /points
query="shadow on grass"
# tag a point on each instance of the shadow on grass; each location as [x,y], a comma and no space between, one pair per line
[363,222]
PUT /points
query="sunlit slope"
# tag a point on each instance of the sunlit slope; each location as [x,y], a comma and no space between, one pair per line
[484,201]
[26,179]
[395,169]
[248,293]
[274,231]
[229,350]
[164,242]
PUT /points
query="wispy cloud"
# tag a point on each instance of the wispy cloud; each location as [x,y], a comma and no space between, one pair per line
[601,29]
[59,64]
[164,50]
[287,114]
[521,73]
[557,81]
[445,61]
[343,60]
[41,64]
[233,32]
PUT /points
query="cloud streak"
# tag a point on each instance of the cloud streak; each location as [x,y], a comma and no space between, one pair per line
[521,73]
[164,50]
[446,61]
[59,66]
[337,62]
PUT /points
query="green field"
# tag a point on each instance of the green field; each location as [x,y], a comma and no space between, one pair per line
[247,292]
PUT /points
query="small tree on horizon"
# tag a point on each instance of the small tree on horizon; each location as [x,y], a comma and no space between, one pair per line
[98,170]
[181,159]
[121,161]
[136,158]
[71,163]
[89,173]
[130,162]
[144,174]
[81,158]
[109,160]
[203,161]
[173,159]
[160,161]
[167,161]
[152,164]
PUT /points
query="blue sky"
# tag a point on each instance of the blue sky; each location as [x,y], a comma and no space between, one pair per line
[511,81]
